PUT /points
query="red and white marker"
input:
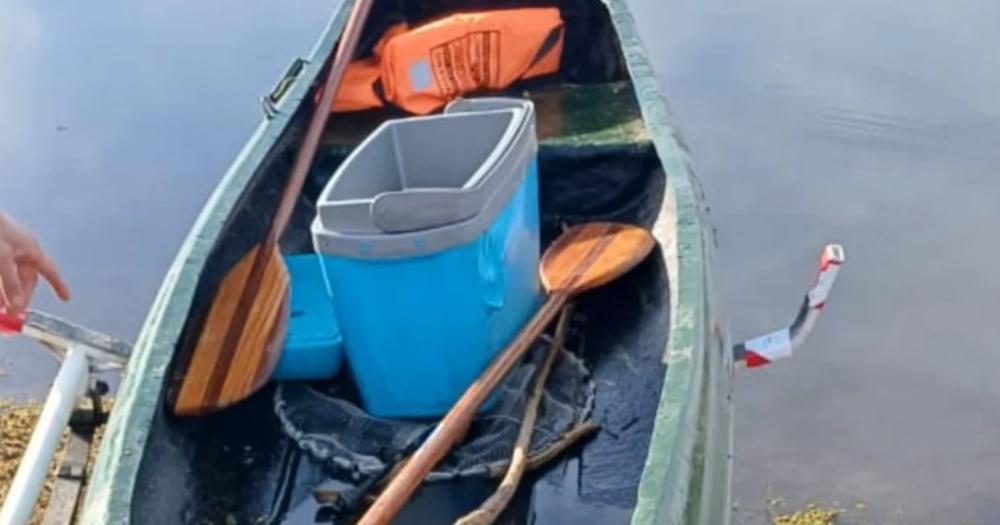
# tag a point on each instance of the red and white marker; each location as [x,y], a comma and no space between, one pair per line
[779,344]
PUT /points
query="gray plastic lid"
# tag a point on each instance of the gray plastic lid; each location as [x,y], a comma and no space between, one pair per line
[424,184]
[467,105]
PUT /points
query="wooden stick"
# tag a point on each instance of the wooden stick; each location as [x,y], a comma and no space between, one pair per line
[300,169]
[575,434]
[307,151]
[487,513]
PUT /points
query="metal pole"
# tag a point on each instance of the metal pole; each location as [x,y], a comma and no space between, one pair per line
[23,494]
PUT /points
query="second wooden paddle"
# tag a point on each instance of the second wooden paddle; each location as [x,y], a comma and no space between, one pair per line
[241,339]
[584,257]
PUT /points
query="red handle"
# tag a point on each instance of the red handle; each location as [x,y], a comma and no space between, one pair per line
[11,323]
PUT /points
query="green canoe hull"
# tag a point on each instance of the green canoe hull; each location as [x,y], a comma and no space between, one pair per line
[687,467]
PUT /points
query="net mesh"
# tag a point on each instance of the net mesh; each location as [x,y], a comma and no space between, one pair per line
[358,449]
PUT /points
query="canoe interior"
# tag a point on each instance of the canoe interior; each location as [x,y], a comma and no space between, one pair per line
[596,162]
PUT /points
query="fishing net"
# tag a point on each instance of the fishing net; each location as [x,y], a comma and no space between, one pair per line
[357,450]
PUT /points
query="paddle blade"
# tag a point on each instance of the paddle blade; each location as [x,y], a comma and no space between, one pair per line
[234,357]
[593,254]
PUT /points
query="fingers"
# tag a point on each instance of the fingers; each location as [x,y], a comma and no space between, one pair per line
[48,269]
[33,255]
[10,282]
[21,260]
[29,280]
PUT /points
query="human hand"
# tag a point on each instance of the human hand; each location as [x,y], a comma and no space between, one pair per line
[22,260]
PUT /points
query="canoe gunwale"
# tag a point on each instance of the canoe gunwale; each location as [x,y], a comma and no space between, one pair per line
[674,462]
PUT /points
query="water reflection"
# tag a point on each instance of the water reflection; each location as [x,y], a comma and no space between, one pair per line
[119,118]
[873,124]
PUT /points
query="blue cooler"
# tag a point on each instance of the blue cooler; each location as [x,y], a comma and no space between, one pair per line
[429,239]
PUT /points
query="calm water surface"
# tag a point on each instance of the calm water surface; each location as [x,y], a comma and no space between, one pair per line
[875,124]
[872,123]
[118,120]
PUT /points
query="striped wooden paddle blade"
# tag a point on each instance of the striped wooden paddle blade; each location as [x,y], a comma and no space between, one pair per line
[235,357]
[593,254]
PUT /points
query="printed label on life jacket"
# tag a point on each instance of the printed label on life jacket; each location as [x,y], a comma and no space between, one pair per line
[467,63]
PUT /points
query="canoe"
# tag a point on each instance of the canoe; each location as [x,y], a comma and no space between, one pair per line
[653,341]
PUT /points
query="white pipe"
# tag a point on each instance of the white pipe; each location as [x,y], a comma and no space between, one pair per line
[69,383]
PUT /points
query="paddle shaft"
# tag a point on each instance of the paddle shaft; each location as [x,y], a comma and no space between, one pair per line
[307,151]
[451,429]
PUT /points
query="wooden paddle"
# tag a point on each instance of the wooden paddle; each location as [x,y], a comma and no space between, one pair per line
[242,336]
[584,257]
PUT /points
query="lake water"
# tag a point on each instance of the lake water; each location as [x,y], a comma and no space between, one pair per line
[872,123]
[119,119]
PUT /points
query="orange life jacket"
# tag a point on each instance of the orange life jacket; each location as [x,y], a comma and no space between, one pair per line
[422,69]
